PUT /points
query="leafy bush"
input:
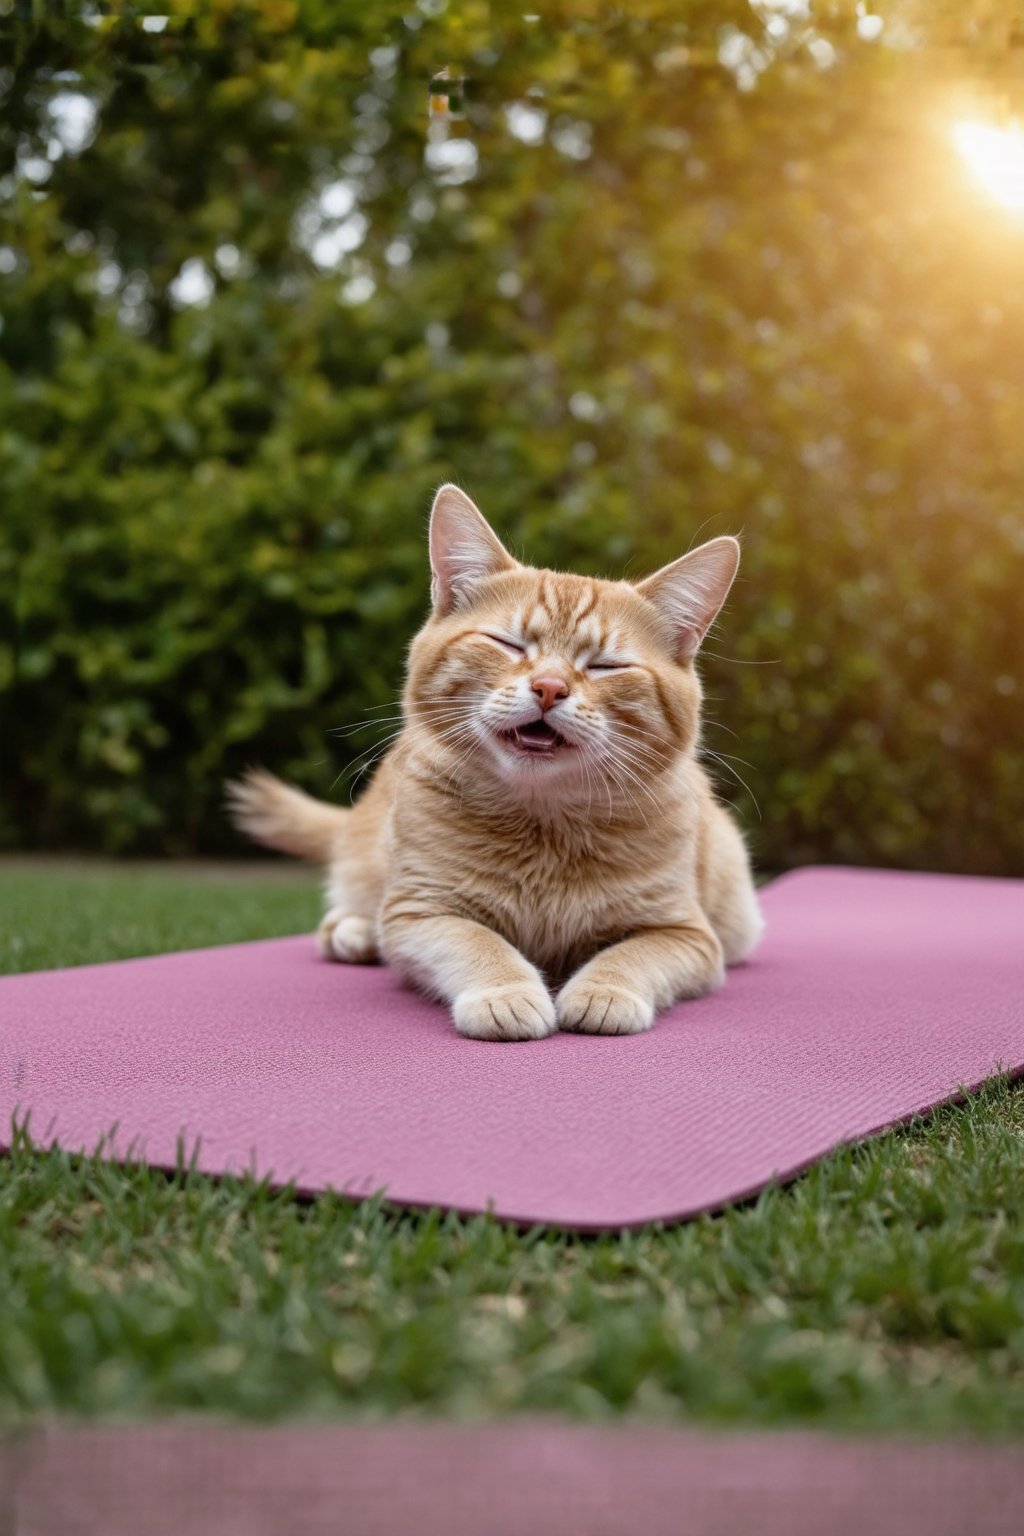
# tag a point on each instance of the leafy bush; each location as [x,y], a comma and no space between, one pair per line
[679,271]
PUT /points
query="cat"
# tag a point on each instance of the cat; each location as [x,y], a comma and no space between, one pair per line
[540,849]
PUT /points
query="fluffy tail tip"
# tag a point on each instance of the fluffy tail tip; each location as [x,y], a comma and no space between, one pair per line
[251,802]
[280,817]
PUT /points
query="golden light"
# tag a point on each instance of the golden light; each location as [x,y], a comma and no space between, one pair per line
[996,159]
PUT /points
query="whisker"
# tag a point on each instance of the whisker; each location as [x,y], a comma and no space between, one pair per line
[626,765]
[432,711]
[734,759]
[630,799]
[362,725]
[450,775]
[373,755]
[720,727]
[742,661]
[367,759]
[737,776]
[374,747]
[657,753]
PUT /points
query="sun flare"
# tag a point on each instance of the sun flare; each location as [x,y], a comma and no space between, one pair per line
[996,159]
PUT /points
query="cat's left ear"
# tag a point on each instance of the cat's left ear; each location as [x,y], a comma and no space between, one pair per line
[464,549]
[689,592]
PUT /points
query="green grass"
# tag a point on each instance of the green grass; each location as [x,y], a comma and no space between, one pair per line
[883,1290]
[52,916]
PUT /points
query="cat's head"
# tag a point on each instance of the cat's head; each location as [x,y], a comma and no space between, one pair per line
[555,686]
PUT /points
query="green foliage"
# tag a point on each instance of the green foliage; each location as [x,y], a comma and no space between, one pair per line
[884,1289]
[690,276]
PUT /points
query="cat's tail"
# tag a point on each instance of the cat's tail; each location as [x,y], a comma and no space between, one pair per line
[284,818]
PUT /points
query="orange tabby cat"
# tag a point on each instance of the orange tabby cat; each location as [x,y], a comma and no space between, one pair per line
[540,849]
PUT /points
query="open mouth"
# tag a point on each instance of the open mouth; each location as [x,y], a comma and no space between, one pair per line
[535,739]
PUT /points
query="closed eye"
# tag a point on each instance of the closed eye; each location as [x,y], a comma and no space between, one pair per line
[511,646]
[608,666]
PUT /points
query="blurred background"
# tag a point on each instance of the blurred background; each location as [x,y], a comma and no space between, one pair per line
[632,275]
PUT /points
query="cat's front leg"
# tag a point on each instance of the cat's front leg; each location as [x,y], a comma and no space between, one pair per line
[493,991]
[621,989]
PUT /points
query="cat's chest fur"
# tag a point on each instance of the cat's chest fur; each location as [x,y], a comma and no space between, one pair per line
[559,893]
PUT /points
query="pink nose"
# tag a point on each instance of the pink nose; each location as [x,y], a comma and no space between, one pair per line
[548,691]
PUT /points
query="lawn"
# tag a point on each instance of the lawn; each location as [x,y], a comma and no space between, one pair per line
[883,1290]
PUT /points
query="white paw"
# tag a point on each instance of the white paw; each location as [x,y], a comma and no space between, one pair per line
[346,936]
[590,1008]
[516,1012]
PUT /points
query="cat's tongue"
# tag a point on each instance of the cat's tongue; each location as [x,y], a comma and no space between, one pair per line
[536,736]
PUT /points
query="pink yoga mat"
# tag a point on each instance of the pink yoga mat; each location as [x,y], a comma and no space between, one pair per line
[873,996]
[549,1479]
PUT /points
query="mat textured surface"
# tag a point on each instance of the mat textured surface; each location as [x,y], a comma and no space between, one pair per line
[874,995]
[548,1478]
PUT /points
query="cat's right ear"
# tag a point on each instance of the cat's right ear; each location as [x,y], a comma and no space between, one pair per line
[464,549]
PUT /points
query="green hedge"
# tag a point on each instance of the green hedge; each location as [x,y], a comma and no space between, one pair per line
[684,275]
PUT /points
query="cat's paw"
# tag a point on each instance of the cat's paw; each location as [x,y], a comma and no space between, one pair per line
[520,1011]
[347,936]
[595,1008]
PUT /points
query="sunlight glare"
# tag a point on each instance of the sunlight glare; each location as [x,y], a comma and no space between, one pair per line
[996,159]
